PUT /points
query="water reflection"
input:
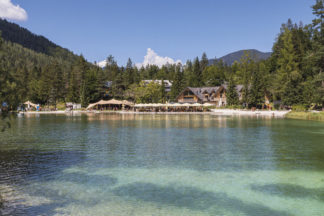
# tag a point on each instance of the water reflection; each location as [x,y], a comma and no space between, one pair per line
[161,165]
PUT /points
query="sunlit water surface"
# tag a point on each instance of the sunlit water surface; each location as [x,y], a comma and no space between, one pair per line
[114,164]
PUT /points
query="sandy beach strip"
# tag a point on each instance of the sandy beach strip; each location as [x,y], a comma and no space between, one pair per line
[273,113]
[225,112]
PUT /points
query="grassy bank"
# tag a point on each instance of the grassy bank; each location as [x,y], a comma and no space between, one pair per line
[317,116]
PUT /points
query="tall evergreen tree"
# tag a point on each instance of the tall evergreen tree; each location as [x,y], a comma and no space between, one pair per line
[57,83]
[288,77]
[197,74]
[129,74]
[203,62]
[84,95]
[257,91]
[188,74]
[93,86]
[73,89]
[177,84]
[317,54]
[244,74]
[232,97]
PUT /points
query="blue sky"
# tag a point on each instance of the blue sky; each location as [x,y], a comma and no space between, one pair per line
[179,29]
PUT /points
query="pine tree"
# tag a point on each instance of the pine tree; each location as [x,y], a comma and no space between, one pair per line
[45,86]
[84,95]
[213,75]
[129,74]
[57,91]
[231,94]
[188,74]
[22,80]
[203,62]
[244,75]
[317,54]
[197,74]
[288,77]
[257,90]
[177,84]
[73,90]
[93,87]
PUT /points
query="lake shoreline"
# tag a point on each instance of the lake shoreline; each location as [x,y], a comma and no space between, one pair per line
[311,115]
[220,112]
[269,113]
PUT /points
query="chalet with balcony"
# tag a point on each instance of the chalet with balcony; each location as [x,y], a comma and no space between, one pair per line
[213,95]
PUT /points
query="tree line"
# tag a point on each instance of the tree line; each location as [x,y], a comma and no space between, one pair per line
[293,75]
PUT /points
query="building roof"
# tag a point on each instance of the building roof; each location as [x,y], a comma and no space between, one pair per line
[238,87]
[199,92]
[167,83]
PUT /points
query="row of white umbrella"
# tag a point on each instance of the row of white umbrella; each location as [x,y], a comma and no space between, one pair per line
[173,105]
[110,102]
[30,104]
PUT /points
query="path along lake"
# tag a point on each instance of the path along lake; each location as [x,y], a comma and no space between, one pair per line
[132,164]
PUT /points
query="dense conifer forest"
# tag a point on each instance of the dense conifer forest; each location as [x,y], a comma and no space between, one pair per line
[33,68]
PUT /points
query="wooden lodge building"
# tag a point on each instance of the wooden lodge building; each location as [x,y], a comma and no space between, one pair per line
[213,95]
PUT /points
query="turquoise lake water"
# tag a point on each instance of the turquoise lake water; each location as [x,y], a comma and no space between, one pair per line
[125,164]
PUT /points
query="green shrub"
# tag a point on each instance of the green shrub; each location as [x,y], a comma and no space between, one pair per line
[299,108]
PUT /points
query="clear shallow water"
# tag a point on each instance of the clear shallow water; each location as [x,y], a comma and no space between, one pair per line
[113,164]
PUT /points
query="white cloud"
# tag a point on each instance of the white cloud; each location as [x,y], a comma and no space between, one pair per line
[11,11]
[152,58]
[102,63]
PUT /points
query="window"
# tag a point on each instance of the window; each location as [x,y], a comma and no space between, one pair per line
[188,93]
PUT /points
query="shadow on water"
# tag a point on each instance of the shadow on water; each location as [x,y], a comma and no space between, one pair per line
[19,168]
[192,198]
[83,179]
[44,209]
[290,190]
[62,200]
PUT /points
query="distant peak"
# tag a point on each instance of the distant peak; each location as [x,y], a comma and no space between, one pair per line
[230,58]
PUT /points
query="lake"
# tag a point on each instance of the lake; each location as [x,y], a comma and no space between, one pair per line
[132,164]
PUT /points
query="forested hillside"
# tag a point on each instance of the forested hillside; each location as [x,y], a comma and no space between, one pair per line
[16,34]
[292,76]
[44,79]
[230,58]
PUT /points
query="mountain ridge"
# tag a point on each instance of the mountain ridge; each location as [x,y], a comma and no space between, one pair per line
[16,34]
[230,58]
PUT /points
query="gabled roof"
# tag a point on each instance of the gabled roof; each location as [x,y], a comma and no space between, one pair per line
[199,92]
[238,87]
